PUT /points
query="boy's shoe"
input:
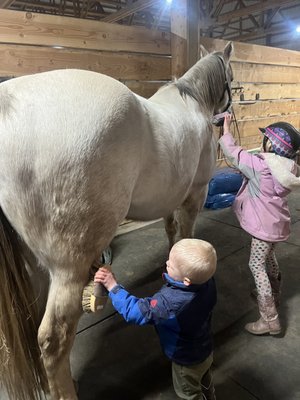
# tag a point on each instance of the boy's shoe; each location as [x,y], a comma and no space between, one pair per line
[262,327]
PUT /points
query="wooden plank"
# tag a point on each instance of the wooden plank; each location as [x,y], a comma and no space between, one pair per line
[133,225]
[251,142]
[22,60]
[269,108]
[144,89]
[251,72]
[249,128]
[250,137]
[266,91]
[51,30]
[255,53]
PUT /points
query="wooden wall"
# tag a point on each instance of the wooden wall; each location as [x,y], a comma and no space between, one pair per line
[266,87]
[31,42]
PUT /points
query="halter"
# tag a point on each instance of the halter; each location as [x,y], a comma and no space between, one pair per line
[226,88]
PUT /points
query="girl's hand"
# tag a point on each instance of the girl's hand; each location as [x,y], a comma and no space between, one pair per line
[227,122]
[106,277]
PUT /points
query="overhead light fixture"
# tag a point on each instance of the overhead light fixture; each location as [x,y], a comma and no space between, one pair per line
[298,29]
[169,1]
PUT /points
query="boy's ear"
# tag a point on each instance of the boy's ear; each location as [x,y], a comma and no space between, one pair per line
[186,281]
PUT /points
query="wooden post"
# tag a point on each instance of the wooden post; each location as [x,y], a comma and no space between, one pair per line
[184,35]
[179,34]
[193,32]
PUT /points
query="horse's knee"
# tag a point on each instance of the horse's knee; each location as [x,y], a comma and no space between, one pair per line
[48,342]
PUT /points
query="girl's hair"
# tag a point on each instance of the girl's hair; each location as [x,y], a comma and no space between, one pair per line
[197,259]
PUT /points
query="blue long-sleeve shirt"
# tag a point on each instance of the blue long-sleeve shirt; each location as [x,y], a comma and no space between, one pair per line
[181,316]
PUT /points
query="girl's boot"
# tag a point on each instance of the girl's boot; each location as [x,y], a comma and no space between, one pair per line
[269,320]
[276,289]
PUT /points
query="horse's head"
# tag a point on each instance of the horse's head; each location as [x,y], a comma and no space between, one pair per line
[209,80]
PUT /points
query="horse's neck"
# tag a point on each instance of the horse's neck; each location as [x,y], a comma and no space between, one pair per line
[201,82]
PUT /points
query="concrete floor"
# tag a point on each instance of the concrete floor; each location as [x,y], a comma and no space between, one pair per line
[113,360]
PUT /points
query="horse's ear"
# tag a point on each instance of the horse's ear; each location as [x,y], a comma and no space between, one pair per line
[202,51]
[228,51]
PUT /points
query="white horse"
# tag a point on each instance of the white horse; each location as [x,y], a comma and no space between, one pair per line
[79,152]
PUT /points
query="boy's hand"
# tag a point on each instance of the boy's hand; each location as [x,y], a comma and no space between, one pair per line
[106,277]
[227,122]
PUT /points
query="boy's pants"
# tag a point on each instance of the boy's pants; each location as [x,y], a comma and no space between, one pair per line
[194,382]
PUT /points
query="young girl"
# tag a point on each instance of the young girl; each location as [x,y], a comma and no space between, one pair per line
[262,209]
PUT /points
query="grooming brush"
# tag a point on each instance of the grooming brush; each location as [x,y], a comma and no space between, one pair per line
[218,119]
[95,295]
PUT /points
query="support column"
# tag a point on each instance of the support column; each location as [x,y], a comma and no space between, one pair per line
[179,37]
[184,35]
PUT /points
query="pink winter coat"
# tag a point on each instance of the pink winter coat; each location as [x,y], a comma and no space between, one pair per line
[261,204]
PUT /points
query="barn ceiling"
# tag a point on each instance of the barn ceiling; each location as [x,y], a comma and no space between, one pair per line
[270,22]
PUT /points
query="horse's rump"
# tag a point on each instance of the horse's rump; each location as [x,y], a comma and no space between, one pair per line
[70,156]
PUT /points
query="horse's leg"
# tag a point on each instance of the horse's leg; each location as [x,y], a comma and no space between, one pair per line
[171,228]
[189,210]
[57,332]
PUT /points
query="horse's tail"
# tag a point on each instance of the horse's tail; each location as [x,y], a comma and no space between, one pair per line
[21,370]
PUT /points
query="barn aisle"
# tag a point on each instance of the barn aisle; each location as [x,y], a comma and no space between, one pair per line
[113,360]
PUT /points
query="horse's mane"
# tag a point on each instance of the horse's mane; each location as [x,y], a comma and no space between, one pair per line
[205,81]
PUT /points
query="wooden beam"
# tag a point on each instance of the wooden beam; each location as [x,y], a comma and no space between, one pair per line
[133,8]
[255,8]
[67,10]
[5,3]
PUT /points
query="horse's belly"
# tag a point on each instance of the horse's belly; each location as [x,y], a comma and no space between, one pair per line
[155,202]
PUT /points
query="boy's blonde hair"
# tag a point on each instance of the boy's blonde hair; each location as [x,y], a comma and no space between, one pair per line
[196,259]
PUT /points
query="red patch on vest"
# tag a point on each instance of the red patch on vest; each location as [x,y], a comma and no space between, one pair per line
[153,303]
